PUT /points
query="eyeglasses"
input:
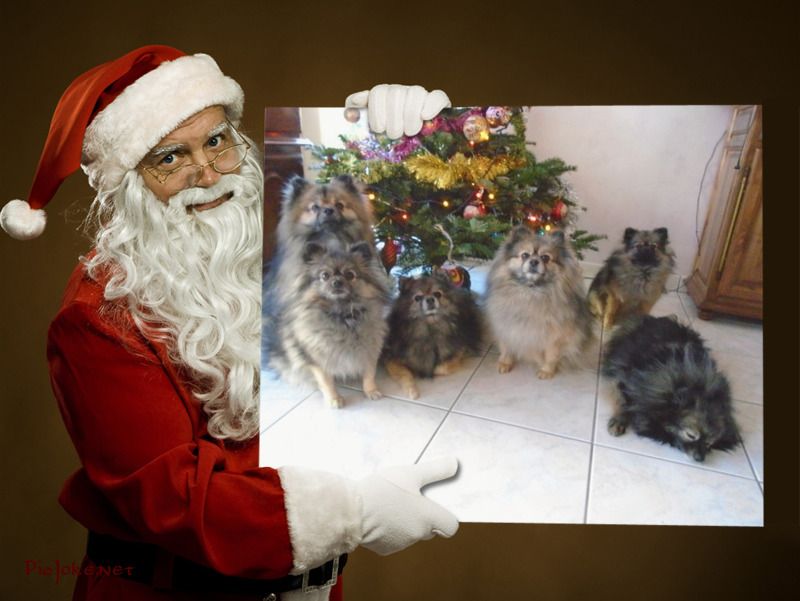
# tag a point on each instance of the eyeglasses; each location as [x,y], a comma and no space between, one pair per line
[175,169]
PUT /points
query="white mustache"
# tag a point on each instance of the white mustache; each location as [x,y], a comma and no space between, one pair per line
[227,184]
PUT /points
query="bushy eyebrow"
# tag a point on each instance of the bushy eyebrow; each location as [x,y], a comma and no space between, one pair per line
[162,150]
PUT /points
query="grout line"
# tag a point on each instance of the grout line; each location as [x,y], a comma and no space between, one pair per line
[755,403]
[750,462]
[521,427]
[675,461]
[594,426]
[450,409]
[292,408]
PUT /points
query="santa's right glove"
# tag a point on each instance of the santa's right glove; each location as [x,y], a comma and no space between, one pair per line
[330,515]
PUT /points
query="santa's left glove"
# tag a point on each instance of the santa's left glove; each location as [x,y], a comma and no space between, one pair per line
[330,515]
[397,109]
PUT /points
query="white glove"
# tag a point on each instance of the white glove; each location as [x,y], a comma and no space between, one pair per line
[397,109]
[395,514]
[329,515]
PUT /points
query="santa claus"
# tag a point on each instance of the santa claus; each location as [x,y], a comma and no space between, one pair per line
[154,353]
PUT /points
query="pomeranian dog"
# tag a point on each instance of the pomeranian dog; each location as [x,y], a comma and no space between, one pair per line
[669,387]
[333,216]
[335,326]
[535,302]
[319,212]
[433,326]
[633,277]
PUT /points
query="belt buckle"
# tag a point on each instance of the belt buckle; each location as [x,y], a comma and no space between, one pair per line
[331,581]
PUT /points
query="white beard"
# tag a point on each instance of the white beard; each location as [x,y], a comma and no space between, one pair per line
[192,279]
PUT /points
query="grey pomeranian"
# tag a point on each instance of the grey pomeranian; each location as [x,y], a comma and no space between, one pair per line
[333,216]
[318,212]
[633,277]
[335,326]
[670,389]
[535,302]
[433,327]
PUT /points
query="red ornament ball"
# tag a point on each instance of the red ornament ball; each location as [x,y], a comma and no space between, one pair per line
[457,274]
[389,252]
[471,211]
[560,210]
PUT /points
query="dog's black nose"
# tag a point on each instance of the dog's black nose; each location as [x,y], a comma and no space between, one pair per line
[337,283]
[431,302]
[533,265]
[328,211]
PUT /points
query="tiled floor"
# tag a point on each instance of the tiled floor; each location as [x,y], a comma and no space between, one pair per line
[533,450]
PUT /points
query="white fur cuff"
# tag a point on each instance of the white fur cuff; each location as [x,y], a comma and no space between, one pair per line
[324,514]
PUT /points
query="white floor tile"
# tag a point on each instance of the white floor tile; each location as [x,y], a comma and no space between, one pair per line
[731,335]
[733,462]
[632,489]
[277,398]
[750,418]
[563,405]
[354,440]
[745,374]
[509,474]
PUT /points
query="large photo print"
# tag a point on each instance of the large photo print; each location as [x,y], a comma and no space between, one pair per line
[567,299]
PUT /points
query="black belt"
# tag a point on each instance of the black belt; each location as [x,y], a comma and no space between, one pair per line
[144,563]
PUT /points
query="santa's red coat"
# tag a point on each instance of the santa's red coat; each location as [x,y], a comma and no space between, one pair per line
[150,470]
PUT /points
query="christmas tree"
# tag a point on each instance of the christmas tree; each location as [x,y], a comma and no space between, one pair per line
[457,187]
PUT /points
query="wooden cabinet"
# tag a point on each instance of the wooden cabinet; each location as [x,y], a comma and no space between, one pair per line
[727,276]
[283,157]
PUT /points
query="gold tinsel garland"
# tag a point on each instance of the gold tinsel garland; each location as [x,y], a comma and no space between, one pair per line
[459,168]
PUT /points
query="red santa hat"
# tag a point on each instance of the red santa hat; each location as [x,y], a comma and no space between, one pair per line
[111,116]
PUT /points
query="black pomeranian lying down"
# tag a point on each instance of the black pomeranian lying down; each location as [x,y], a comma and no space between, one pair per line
[669,386]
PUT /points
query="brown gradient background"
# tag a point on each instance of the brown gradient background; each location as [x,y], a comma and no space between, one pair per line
[295,54]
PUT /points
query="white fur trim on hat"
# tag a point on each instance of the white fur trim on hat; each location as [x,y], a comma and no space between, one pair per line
[122,134]
[22,222]
[324,515]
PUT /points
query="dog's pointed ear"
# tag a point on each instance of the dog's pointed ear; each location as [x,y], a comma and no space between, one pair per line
[519,232]
[361,250]
[311,251]
[293,189]
[628,236]
[663,236]
[404,284]
[348,182]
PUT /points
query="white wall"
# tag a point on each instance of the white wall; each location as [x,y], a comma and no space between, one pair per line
[638,166]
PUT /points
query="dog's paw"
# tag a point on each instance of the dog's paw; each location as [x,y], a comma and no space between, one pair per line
[412,392]
[616,426]
[545,374]
[504,367]
[373,393]
[335,402]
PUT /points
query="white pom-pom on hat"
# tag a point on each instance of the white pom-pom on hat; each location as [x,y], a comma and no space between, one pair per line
[22,222]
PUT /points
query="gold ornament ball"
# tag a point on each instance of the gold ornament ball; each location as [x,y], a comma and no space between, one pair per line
[476,128]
